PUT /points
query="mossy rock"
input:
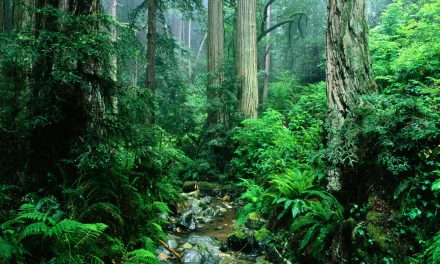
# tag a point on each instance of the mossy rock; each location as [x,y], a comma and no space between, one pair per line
[262,236]
[207,188]
[254,221]
[241,240]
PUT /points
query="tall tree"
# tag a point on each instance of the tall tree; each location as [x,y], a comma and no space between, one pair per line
[267,60]
[114,59]
[247,57]
[71,109]
[151,49]
[151,53]
[349,73]
[215,61]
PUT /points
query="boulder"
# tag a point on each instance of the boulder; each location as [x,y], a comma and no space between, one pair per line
[192,256]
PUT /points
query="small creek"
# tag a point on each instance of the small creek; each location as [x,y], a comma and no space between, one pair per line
[199,233]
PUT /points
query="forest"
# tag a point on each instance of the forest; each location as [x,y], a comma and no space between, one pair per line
[220,131]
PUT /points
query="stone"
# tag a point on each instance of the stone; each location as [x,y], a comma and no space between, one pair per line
[192,256]
[187,246]
[241,240]
[187,220]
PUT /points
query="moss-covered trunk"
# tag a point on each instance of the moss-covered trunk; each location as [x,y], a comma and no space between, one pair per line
[349,73]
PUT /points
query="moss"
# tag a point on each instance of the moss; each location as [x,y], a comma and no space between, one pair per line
[238,233]
[374,217]
[254,216]
[379,235]
[262,235]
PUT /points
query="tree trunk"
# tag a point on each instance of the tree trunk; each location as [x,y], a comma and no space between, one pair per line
[247,57]
[349,74]
[215,61]
[114,58]
[151,55]
[151,49]
[268,59]
[189,50]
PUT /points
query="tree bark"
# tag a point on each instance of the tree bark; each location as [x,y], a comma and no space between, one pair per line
[114,58]
[215,61]
[247,58]
[349,73]
[189,50]
[268,58]
[151,49]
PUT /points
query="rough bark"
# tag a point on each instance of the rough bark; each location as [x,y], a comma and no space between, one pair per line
[349,73]
[151,49]
[114,58]
[247,57]
[267,61]
[215,61]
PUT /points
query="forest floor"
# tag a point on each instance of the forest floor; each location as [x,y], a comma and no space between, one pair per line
[201,233]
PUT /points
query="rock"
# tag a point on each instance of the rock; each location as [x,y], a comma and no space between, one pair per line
[163,256]
[192,256]
[207,188]
[172,243]
[187,246]
[241,240]
[187,220]
[254,221]
[262,237]
[226,198]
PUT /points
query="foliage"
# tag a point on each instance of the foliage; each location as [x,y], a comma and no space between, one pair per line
[69,241]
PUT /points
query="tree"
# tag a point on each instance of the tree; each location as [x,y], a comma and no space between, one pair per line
[349,73]
[267,60]
[151,51]
[215,61]
[247,58]
[114,58]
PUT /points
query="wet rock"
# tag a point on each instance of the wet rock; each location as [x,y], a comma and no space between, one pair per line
[191,256]
[172,243]
[187,246]
[187,220]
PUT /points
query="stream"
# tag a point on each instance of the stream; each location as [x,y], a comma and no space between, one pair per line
[199,233]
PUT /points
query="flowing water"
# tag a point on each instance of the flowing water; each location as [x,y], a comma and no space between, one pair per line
[200,233]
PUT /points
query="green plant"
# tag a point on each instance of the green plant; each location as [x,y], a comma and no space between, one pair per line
[42,226]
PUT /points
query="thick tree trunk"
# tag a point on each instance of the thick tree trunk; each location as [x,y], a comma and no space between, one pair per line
[215,61]
[114,58]
[151,55]
[267,62]
[247,57]
[151,49]
[349,73]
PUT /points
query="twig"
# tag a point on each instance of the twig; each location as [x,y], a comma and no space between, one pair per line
[170,249]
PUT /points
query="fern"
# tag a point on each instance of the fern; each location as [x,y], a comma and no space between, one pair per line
[432,253]
[320,223]
[140,256]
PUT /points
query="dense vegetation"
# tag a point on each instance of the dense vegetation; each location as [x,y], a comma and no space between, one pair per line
[92,157]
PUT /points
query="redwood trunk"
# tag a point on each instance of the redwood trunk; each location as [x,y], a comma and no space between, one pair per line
[247,57]
[215,61]
[349,73]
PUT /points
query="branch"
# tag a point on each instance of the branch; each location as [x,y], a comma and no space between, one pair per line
[266,8]
[290,21]
[170,249]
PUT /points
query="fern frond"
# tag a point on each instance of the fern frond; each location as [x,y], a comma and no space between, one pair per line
[141,256]
[161,207]
[38,228]
[432,253]
[311,232]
